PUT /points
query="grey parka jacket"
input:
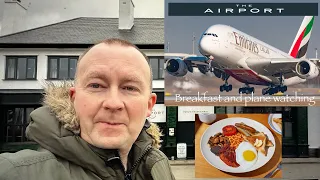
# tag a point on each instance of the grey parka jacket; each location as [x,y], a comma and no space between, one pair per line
[65,156]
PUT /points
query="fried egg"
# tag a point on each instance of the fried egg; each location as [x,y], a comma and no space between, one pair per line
[246,155]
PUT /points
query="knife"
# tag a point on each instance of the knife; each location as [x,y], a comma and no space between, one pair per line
[274,171]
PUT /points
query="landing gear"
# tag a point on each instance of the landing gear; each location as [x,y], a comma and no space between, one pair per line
[217,73]
[275,89]
[226,87]
[268,90]
[283,88]
[246,90]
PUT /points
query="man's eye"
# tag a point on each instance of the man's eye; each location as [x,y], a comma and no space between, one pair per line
[94,85]
[128,88]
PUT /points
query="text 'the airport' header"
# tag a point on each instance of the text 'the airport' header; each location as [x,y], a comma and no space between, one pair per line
[243,9]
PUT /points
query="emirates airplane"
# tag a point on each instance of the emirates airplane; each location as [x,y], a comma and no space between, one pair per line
[229,52]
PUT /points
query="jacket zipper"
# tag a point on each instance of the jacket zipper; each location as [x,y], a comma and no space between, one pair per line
[127,174]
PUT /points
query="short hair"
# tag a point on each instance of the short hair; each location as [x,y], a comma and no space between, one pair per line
[121,42]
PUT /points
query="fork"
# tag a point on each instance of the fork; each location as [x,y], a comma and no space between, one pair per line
[273,172]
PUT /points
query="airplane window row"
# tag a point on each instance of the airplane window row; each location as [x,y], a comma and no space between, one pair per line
[211,34]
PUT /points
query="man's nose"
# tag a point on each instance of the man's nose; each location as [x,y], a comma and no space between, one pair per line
[113,100]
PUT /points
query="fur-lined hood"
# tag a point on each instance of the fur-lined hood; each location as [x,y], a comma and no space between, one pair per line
[57,98]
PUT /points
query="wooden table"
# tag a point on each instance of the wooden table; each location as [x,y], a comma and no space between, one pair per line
[204,170]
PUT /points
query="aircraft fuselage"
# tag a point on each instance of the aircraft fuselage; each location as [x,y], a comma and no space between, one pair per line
[231,47]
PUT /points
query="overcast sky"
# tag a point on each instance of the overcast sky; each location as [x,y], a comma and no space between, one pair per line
[43,12]
[276,31]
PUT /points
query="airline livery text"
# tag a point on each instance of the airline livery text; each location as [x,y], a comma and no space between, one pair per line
[246,43]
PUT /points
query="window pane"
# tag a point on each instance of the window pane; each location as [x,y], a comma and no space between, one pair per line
[220,110]
[10,68]
[9,134]
[230,109]
[161,70]
[10,115]
[72,70]
[53,68]
[22,67]
[19,116]
[18,130]
[239,109]
[155,69]
[24,136]
[63,68]
[28,111]
[288,129]
[31,69]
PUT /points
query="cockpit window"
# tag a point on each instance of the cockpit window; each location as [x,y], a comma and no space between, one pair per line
[210,34]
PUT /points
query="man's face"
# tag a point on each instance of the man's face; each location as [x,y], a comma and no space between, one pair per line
[112,95]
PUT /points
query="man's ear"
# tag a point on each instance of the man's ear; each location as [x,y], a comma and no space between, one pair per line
[151,102]
[72,93]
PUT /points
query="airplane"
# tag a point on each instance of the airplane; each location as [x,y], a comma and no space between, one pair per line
[228,51]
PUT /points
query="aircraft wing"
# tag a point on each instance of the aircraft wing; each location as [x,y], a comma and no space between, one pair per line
[197,60]
[181,55]
[276,66]
[192,61]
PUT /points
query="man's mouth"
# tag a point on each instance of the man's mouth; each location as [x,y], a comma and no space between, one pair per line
[110,123]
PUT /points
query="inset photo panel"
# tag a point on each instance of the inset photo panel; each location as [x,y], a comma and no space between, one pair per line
[241,53]
[238,145]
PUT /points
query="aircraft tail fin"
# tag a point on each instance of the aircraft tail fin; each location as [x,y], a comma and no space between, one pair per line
[300,44]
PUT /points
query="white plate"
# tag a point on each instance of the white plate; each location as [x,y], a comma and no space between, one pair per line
[217,162]
[274,125]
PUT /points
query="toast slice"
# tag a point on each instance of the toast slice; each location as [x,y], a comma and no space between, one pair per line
[278,121]
[269,143]
[259,141]
[246,133]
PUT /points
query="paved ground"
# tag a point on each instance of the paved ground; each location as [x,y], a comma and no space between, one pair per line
[292,169]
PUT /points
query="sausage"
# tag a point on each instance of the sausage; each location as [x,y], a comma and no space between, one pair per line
[246,127]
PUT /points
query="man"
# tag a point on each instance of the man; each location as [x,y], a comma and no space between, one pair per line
[96,128]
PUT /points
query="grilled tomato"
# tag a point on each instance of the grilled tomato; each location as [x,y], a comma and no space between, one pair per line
[229,130]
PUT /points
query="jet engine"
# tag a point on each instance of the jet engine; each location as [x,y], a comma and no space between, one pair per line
[307,69]
[176,67]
